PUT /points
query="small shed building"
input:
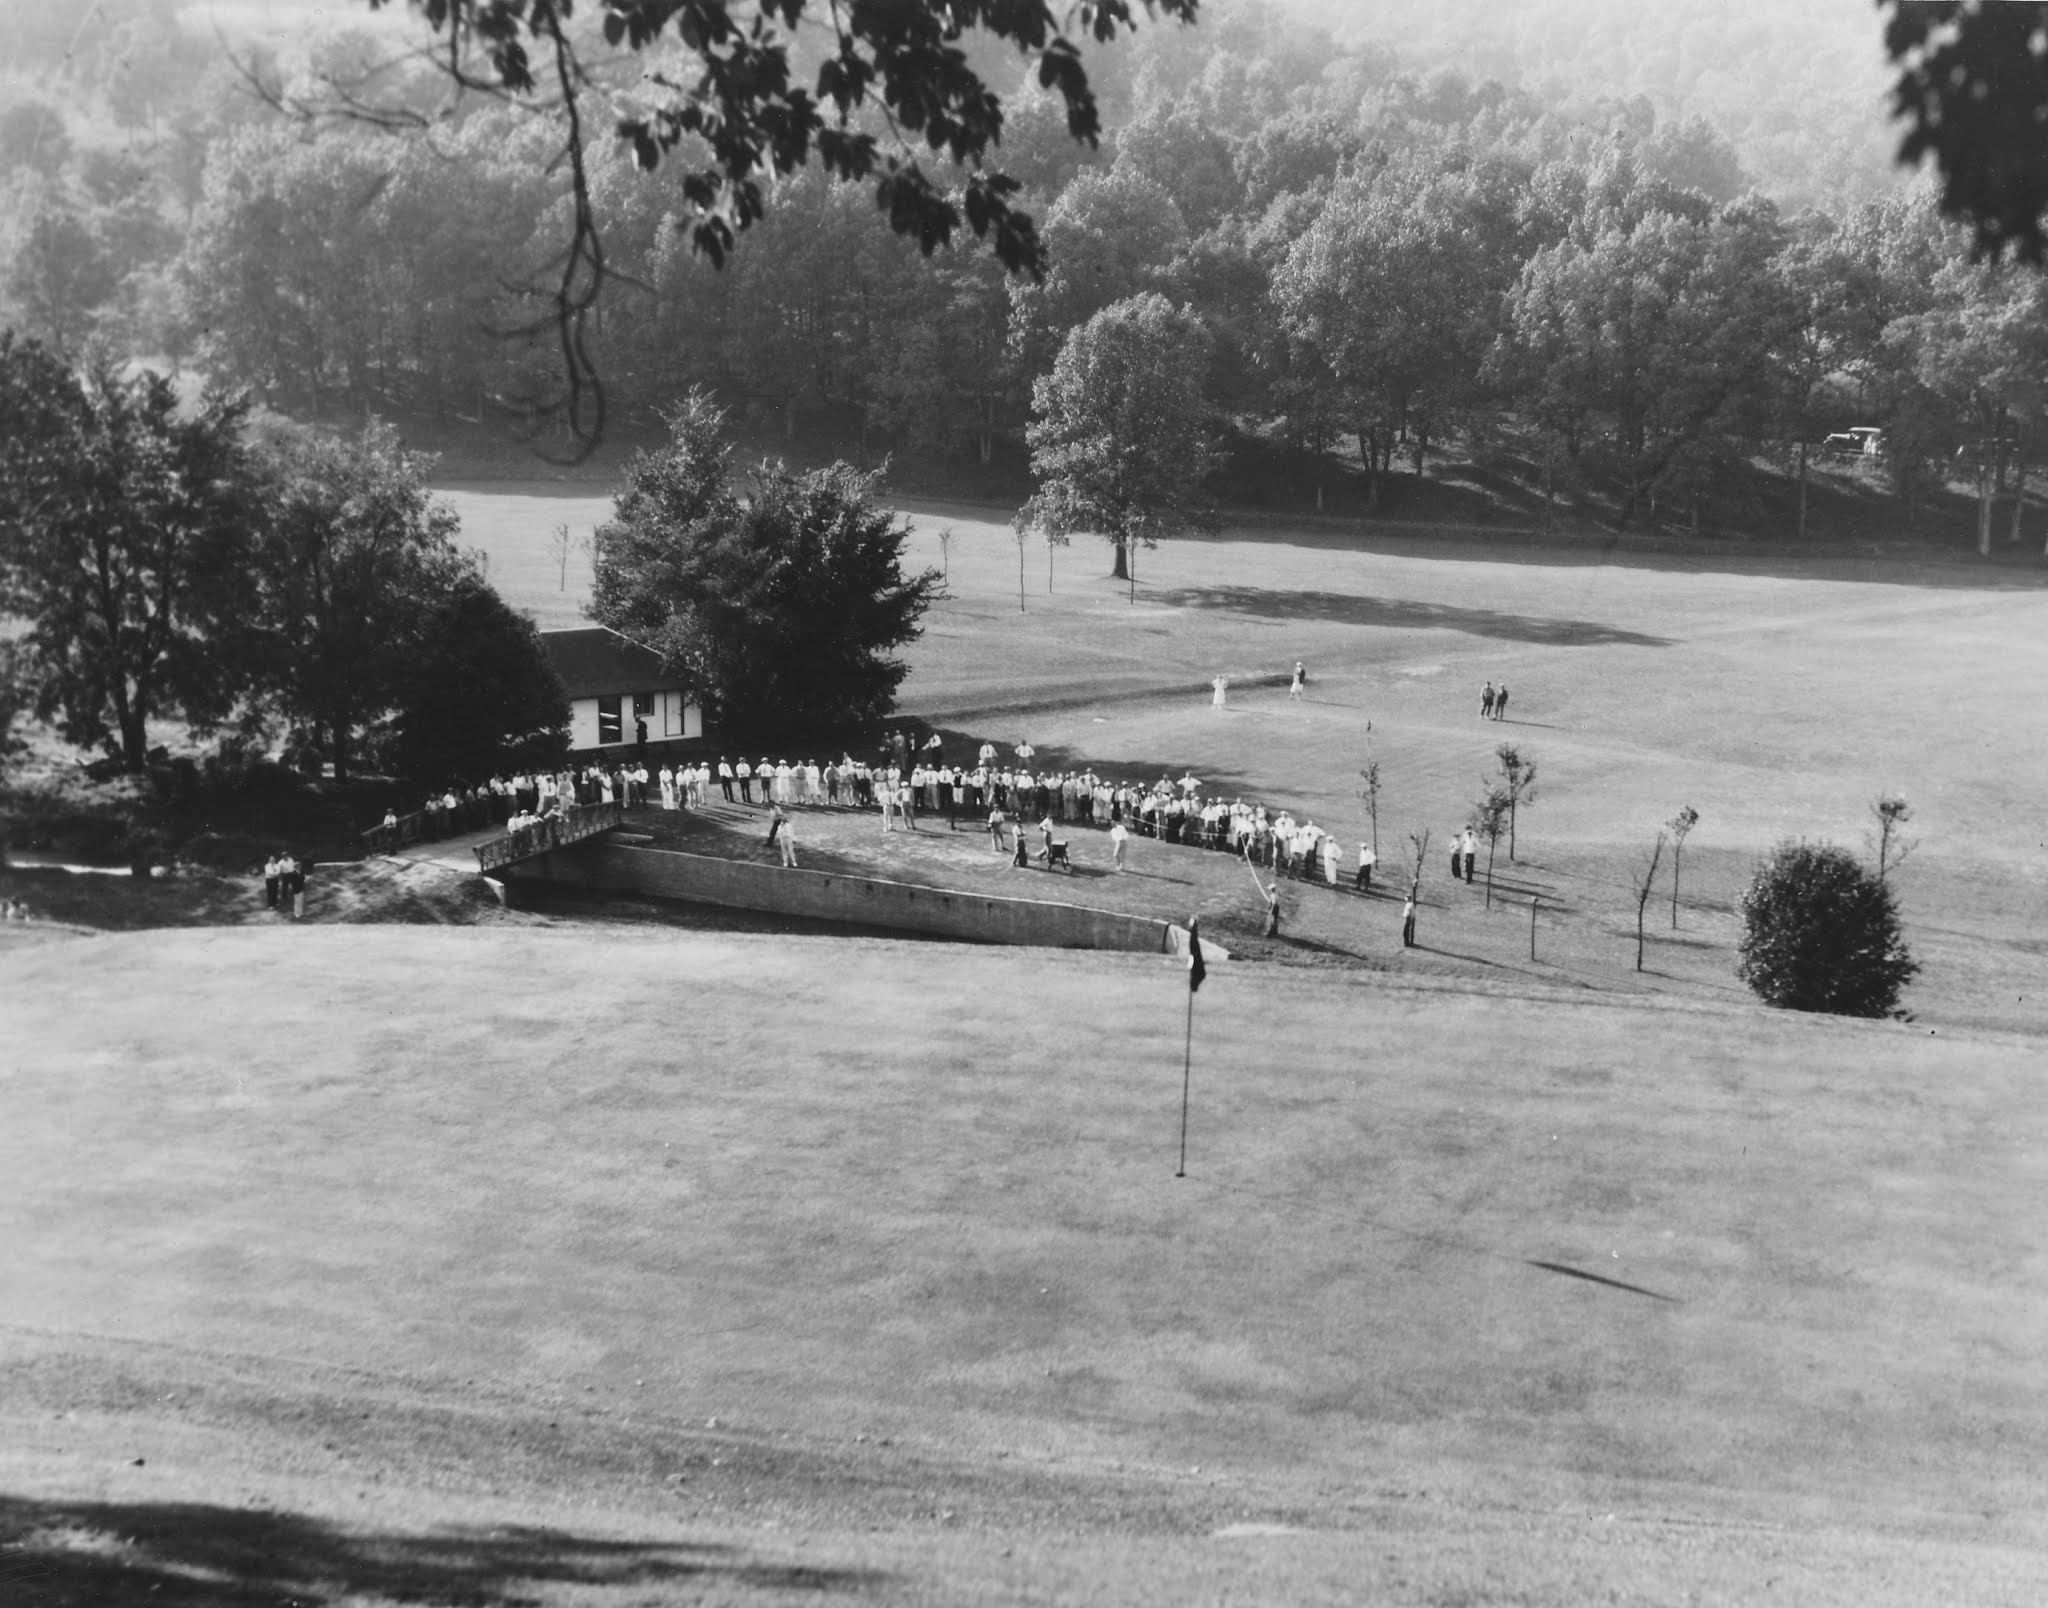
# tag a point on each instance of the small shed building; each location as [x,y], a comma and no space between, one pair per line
[619,696]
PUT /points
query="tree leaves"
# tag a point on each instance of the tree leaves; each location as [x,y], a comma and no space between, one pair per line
[124,529]
[1122,440]
[1820,933]
[779,601]
[1973,89]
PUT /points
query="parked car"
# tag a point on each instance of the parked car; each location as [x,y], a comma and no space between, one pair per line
[1859,441]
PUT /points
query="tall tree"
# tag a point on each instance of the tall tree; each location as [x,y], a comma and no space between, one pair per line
[779,600]
[1982,350]
[1394,290]
[1111,236]
[63,280]
[1122,436]
[726,101]
[1658,334]
[482,696]
[1832,325]
[125,521]
[354,562]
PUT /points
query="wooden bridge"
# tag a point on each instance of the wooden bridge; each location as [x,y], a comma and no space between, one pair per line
[550,832]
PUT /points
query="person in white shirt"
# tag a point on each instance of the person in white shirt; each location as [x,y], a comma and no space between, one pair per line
[1118,837]
[1470,847]
[1367,859]
[743,773]
[668,788]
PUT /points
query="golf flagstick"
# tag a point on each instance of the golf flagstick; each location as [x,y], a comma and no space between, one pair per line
[1196,972]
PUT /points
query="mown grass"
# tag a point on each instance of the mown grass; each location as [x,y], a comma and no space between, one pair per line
[1437,1254]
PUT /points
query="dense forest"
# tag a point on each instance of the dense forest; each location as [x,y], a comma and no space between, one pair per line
[1614,246]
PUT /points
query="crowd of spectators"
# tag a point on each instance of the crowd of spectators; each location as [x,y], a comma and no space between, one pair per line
[1011,798]
[906,782]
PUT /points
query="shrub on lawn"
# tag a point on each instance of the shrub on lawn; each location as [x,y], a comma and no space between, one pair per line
[1820,933]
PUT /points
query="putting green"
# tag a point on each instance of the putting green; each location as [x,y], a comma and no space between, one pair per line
[506,1218]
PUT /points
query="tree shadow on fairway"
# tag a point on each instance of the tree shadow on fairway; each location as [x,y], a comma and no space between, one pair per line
[1343,608]
[190,1555]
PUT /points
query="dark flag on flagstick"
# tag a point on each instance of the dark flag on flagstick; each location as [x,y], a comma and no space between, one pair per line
[1196,970]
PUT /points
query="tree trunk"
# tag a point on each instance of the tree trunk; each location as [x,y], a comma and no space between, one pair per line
[134,725]
[1640,903]
[1802,486]
[2019,498]
[1677,856]
[1983,510]
[337,747]
[1511,828]
[1120,566]
[1492,846]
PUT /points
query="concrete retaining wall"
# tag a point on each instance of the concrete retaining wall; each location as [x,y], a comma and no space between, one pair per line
[609,867]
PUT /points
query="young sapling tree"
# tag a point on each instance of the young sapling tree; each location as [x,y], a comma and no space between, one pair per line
[1891,812]
[1370,792]
[1418,847]
[1646,883]
[1489,820]
[1681,824]
[1518,777]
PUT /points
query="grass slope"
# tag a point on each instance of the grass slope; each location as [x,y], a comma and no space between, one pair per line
[1776,694]
[767,1255]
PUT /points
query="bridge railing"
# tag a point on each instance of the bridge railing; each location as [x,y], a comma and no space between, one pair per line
[550,832]
[407,829]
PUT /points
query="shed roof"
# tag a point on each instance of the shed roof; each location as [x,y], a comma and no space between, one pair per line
[594,661]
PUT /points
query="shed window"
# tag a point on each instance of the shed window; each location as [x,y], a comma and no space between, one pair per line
[608,730]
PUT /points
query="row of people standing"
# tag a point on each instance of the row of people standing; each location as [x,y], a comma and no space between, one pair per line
[535,793]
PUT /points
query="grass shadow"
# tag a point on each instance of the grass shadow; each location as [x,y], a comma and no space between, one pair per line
[191,1555]
[1403,614]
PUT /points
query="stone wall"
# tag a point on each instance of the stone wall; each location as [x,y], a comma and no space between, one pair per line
[610,867]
